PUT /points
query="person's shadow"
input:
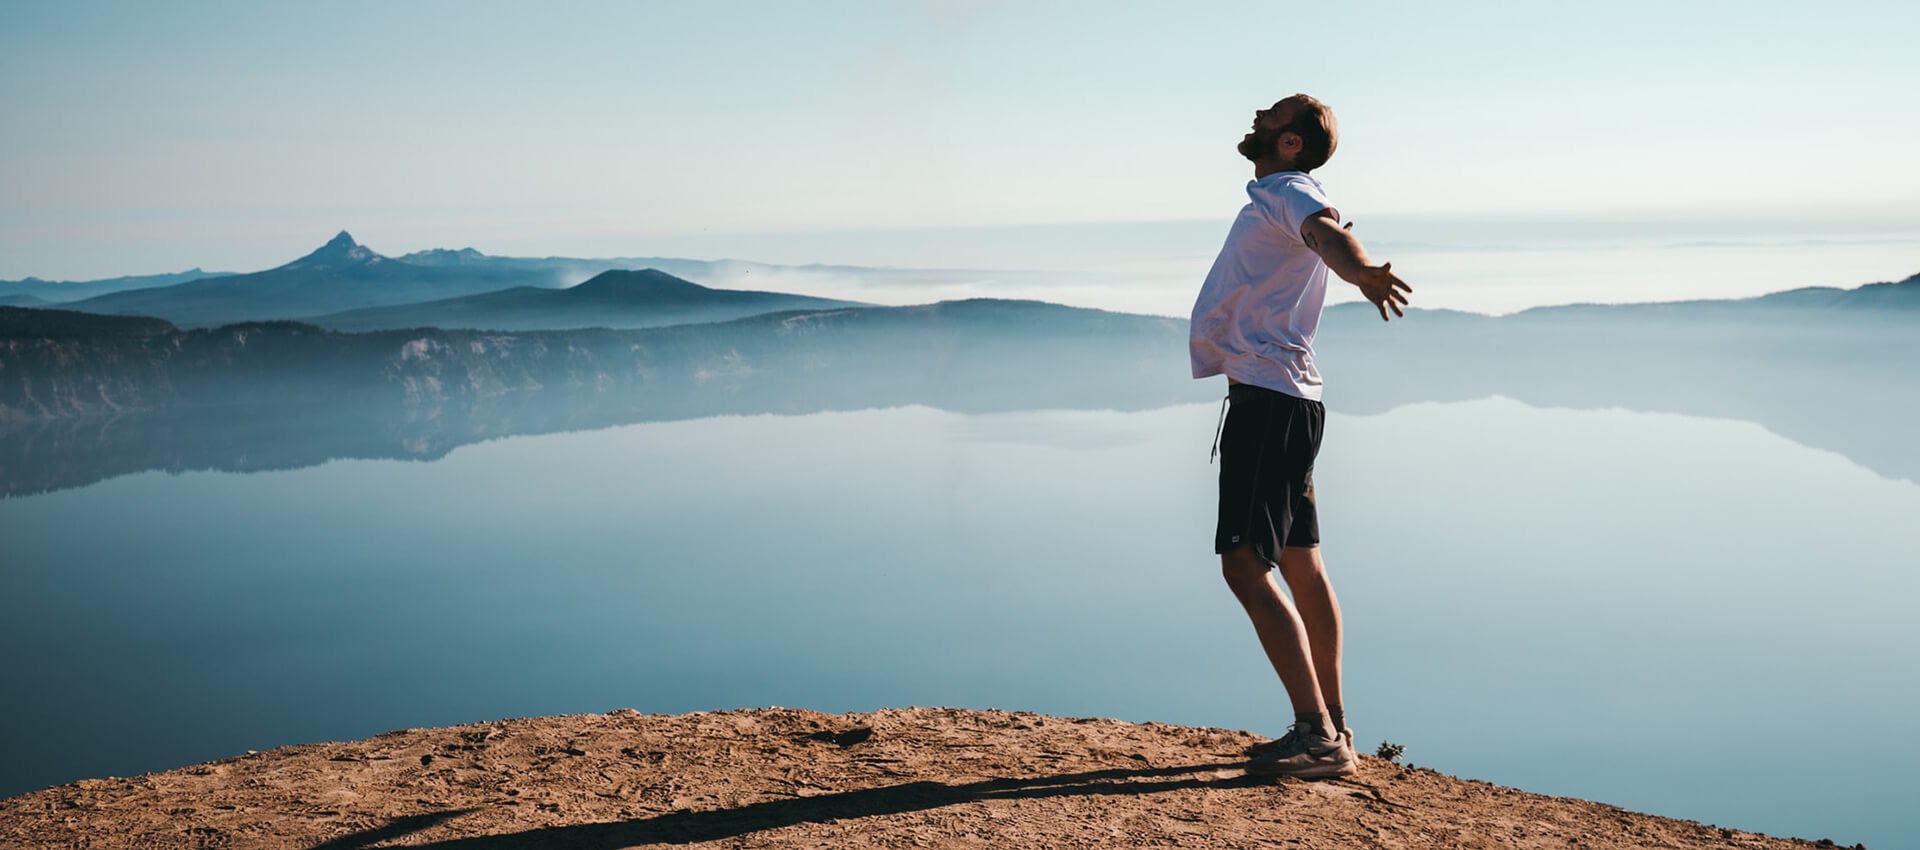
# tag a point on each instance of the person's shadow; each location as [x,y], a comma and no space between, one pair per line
[686,827]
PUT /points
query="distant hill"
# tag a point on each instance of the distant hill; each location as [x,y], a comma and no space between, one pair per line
[205,307]
[716,273]
[564,271]
[955,354]
[613,299]
[1896,301]
[1902,295]
[344,277]
[341,275]
[1837,369]
[22,324]
[271,395]
[21,292]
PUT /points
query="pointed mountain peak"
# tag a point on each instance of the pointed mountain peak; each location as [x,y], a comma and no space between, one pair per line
[339,252]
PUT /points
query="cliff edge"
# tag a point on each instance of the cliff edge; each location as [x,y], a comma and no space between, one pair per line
[919,777]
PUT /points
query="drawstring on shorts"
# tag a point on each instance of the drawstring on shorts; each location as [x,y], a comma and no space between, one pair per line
[1218,428]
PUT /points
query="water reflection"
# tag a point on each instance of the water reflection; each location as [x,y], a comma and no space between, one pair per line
[1859,407]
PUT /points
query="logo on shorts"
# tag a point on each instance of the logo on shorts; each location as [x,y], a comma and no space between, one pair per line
[1236,539]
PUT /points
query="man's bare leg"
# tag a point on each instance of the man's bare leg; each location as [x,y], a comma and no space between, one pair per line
[1306,576]
[1282,634]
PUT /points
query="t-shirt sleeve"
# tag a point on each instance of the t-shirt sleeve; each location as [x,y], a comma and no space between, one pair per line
[1291,203]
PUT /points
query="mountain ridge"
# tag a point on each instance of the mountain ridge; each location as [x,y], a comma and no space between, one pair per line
[617,298]
[444,273]
[1899,295]
[338,276]
[64,291]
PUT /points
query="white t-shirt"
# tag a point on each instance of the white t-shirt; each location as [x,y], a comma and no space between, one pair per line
[1256,315]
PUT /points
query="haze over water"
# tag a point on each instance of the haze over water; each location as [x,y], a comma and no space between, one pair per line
[1480,264]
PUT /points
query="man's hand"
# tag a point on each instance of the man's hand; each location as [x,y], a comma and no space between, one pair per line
[1384,288]
[1346,257]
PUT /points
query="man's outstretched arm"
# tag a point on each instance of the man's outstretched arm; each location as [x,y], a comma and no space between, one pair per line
[1346,257]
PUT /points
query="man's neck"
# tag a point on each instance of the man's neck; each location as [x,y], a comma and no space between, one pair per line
[1264,167]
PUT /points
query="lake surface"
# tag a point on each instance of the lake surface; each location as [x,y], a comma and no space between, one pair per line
[1689,617]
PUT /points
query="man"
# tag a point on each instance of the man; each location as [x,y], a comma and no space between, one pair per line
[1254,322]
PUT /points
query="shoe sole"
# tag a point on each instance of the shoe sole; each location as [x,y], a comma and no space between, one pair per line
[1312,771]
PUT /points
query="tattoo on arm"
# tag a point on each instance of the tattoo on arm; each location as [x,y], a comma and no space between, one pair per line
[1313,242]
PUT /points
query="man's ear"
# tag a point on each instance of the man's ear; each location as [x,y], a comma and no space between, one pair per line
[1290,142]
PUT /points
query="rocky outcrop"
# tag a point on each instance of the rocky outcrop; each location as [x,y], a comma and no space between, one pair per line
[916,777]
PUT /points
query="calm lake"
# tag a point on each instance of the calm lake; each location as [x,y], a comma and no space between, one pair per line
[1689,617]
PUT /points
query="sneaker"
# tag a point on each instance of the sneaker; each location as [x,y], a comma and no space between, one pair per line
[1265,747]
[1303,753]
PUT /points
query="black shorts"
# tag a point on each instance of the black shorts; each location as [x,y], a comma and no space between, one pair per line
[1267,447]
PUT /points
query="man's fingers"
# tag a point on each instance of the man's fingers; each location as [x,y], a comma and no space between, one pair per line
[1383,302]
[1395,282]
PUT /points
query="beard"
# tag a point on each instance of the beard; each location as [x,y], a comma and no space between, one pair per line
[1258,145]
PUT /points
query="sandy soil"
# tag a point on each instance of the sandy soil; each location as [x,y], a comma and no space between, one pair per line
[919,777]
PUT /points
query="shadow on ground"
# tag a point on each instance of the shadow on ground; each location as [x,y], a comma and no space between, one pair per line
[688,827]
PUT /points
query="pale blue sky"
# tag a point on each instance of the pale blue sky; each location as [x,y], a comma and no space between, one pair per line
[145,137]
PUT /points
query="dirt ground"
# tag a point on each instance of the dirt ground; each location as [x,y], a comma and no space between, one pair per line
[917,777]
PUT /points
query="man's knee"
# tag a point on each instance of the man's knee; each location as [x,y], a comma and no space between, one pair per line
[1243,568]
[1301,565]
